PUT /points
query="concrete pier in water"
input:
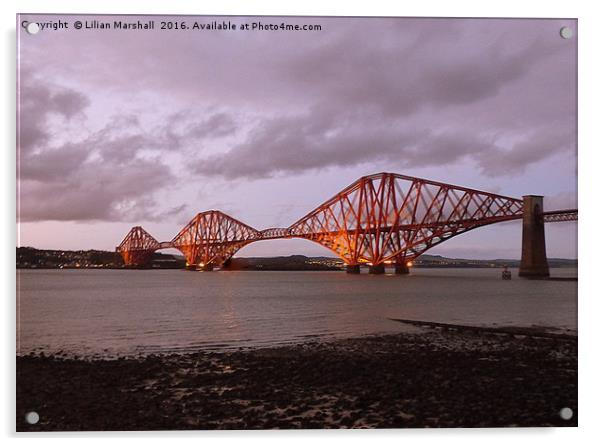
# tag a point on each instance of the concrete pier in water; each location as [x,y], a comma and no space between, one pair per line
[353,269]
[377,269]
[402,268]
[534,262]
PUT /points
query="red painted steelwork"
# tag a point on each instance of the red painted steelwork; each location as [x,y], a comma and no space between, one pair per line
[212,237]
[379,218]
[137,247]
[395,217]
[560,216]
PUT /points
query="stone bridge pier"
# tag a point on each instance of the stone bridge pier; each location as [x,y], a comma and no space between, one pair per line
[534,261]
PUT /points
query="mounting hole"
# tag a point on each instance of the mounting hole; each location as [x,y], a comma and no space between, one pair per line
[566,32]
[33,28]
[566,413]
[32,417]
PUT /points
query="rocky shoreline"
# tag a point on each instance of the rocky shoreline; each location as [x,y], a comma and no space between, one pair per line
[435,378]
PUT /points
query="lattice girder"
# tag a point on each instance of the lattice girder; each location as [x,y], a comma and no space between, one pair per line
[213,237]
[387,216]
[137,247]
[379,218]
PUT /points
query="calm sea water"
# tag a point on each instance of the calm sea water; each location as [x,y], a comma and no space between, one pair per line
[110,312]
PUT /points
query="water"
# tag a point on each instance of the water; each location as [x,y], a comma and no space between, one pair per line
[111,312]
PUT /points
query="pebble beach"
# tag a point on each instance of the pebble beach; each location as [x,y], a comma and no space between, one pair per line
[433,378]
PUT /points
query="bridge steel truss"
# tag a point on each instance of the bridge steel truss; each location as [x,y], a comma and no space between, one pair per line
[390,217]
[560,216]
[211,238]
[138,247]
[381,218]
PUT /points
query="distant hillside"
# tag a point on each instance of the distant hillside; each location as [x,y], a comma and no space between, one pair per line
[428,260]
[33,258]
[47,258]
[289,263]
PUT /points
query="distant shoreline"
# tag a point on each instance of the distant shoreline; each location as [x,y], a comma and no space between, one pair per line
[123,268]
[32,258]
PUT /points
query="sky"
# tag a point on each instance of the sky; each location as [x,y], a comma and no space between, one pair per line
[119,128]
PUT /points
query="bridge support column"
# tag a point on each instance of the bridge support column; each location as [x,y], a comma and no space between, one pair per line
[206,267]
[401,267]
[533,262]
[353,269]
[377,269]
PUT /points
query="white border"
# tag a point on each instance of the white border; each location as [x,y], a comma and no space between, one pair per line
[590,100]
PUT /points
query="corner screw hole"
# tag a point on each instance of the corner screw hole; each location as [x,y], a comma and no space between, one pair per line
[566,32]
[33,28]
[566,413]
[32,417]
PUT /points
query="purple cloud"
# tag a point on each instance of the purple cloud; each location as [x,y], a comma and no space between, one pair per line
[103,138]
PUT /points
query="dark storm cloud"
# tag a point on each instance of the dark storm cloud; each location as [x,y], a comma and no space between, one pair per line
[99,177]
[217,125]
[530,149]
[434,68]
[299,144]
[95,191]
[413,102]
[294,145]
[494,96]
[104,175]
[38,102]
[53,164]
[191,127]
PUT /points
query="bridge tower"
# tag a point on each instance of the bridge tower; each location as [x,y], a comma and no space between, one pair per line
[533,262]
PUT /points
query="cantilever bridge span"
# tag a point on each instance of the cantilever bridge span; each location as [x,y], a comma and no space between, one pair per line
[380,219]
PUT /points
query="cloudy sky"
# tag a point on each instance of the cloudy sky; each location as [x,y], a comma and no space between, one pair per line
[121,128]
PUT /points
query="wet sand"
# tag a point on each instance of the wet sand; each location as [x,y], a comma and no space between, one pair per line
[436,378]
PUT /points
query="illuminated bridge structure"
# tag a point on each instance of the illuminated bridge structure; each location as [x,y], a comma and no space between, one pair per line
[380,219]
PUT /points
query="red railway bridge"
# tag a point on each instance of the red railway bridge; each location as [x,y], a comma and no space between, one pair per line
[380,219]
